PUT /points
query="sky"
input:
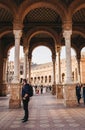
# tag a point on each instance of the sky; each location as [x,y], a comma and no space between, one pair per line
[40,54]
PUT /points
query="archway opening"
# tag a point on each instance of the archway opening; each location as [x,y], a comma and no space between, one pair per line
[41,55]
[41,69]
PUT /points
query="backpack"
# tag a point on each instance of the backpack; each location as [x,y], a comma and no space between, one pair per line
[31,90]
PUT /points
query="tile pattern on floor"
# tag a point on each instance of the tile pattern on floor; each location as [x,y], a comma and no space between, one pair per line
[46,113]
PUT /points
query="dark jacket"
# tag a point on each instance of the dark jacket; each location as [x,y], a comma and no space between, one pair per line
[78,91]
[25,90]
[84,91]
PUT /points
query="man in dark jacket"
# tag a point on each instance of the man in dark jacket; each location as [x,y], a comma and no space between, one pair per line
[25,99]
[78,92]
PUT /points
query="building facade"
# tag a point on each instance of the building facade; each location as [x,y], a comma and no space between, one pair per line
[42,74]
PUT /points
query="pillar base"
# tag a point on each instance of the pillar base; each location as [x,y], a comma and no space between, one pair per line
[54,89]
[69,95]
[3,89]
[59,91]
[70,103]
[13,104]
[15,97]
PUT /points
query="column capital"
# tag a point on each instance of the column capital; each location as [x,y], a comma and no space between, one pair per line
[58,49]
[17,33]
[4,58]
[25,50]
[67,25]
[17,24]
[67,34]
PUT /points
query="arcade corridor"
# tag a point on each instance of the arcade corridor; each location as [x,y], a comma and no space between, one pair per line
[46,113]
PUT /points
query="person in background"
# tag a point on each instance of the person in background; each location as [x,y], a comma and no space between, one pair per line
[41,89]
[25,99]
[83,88]
[78,92]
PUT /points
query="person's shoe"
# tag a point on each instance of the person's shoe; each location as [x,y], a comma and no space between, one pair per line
[22,119]
[79,103]
[25,120]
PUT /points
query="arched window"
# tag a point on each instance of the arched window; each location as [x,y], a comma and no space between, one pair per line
[45,79]
[49,78]
[42,79]
[72,76]
[63,77]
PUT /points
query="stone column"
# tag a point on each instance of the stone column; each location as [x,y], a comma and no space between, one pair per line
[15,92]
[58,67]
[79,76]
[3,84]
[78,66]
[4,69]
[67,36]
[17,34]
[25,66]
[59,86]
[69,88]
[54,75]
[29,68]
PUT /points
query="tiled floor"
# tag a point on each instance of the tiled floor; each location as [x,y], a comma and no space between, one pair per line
[46,113]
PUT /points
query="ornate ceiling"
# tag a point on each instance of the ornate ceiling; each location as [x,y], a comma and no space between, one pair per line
[66,2]
[43,17]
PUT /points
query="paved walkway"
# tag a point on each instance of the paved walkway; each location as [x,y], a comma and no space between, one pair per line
[46,113]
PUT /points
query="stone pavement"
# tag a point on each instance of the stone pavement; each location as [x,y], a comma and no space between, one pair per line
[46,113]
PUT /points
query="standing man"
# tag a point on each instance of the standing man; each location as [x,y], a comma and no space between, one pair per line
[25,99]
[78,92]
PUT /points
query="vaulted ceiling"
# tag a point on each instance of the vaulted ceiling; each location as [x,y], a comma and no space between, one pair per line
[43,17]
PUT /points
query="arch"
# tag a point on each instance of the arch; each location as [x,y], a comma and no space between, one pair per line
[45,30]
[73,76]
[38,30]
[42,79]
[5,31]
[8,48]
[83,51]
[82,47]
[45,79]
[79,31]
[40,44]
[50,79]
[9,6]
[75,6]
[63,77]
[28,6]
